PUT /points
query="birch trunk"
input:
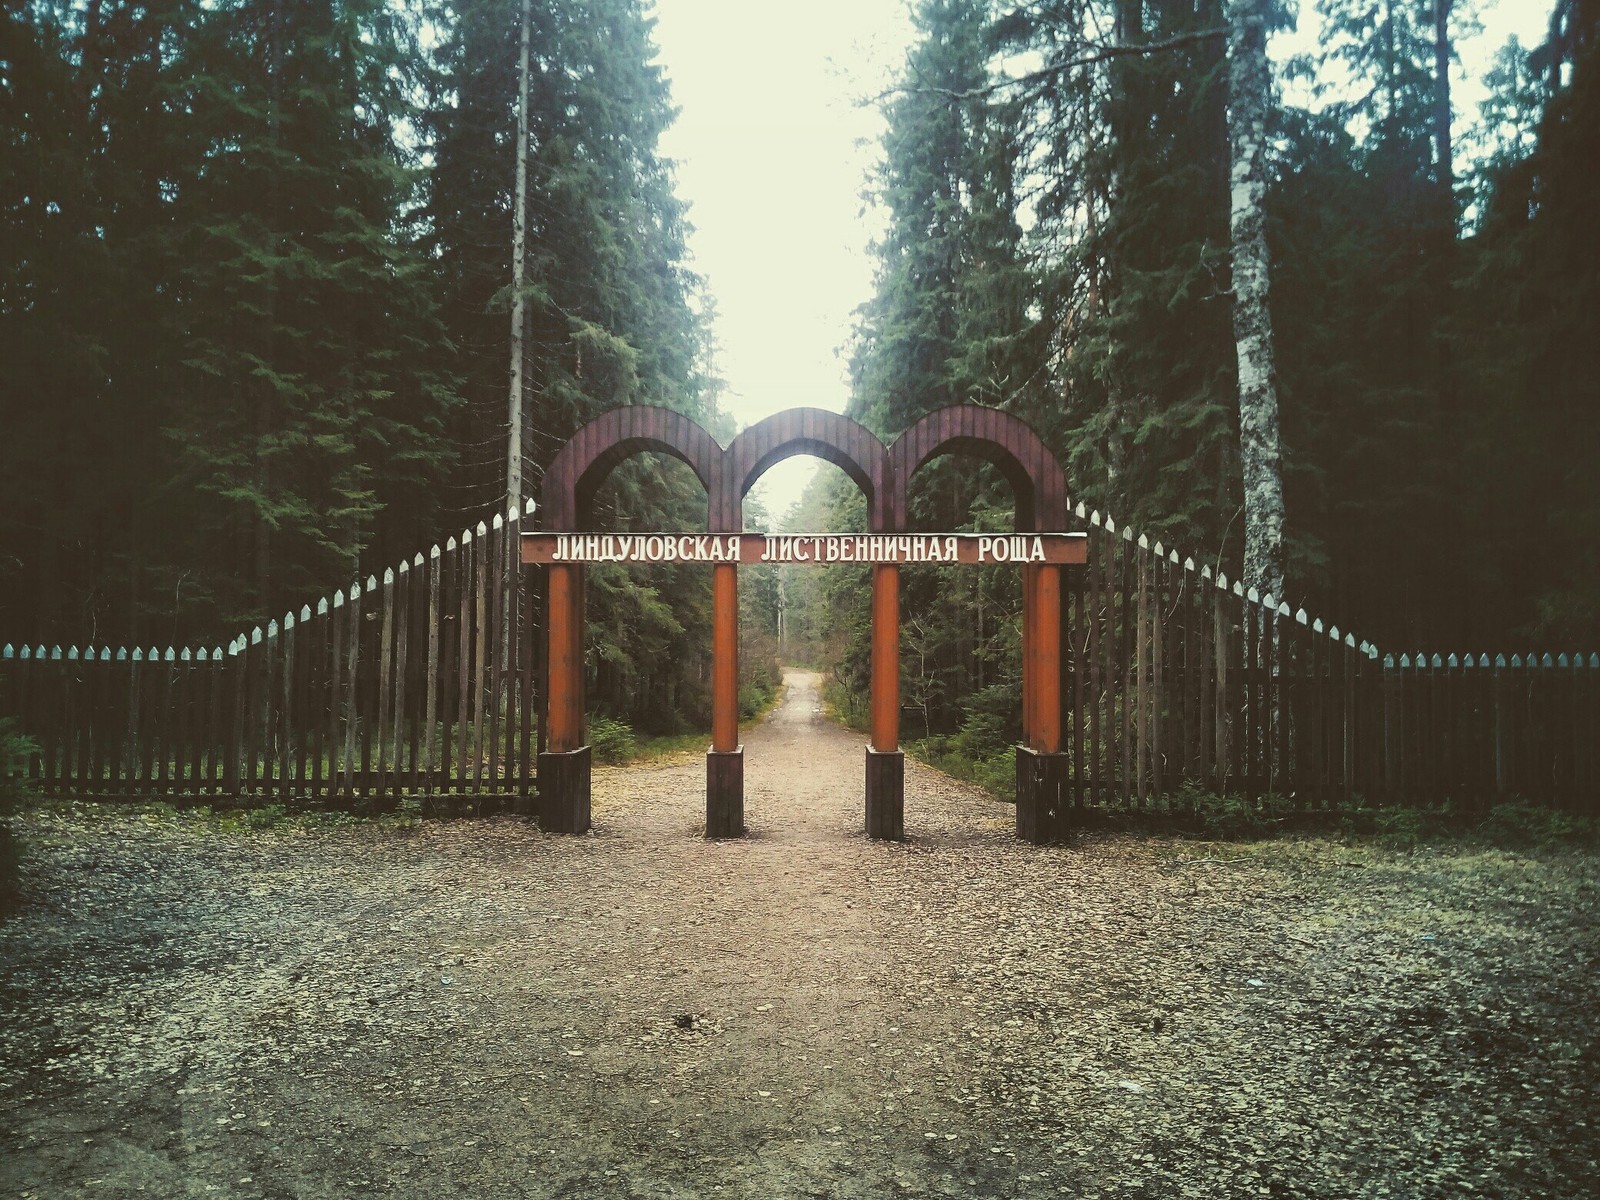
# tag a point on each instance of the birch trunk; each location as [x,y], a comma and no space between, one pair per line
[519,236]
[1250,93]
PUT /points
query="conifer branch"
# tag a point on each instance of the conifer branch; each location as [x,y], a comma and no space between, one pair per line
[1100,53]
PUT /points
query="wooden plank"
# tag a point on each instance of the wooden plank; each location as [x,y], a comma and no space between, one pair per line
[1126,631]
[1205,599]
[416,672]
[233,719]
[449,667]
[286,717]
[66,768]
[385,679]
[505,701]
[350,709]
[495,640]
[464,664]
[179,673]
[1162,615]
[1222,652]
[431,696]
[402,643]
[88,733]
[150,721]
[392,732]
[244,739]
[1313,660]
[22,678]
[268,710]
[96,697]
[83,721]
[1351,679]
[214,736]
[319,697]
[1100,629]
[1277,715]
[1246,675]
[198,670]
[279,718]
[370,638]
[307,716]
[108,720]
[510,696]
[1141,668]
[1192,678]
[334,719]
[481,551]
[529,641]
[51,666]
[66,677]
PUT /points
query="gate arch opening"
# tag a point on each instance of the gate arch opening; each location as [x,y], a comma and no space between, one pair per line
[836,439]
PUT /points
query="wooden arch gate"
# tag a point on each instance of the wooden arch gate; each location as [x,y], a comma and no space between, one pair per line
[562,547]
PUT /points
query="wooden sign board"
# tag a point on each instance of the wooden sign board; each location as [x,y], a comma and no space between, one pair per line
[752,549]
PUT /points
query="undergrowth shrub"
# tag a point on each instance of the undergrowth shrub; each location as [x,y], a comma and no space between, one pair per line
[15,751]
[1518,823]
[610,740]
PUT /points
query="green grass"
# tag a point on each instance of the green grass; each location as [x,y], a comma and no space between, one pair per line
[995,772]
[624,745]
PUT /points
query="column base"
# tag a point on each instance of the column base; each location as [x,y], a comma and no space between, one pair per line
[564,791]
[1044,796]
[886,794]
[725,793]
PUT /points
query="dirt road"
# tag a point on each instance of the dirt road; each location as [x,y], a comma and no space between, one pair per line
[471,1008]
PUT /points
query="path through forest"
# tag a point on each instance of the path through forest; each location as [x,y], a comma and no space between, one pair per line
[471,1008]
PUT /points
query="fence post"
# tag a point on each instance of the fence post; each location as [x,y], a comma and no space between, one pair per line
[1393,726]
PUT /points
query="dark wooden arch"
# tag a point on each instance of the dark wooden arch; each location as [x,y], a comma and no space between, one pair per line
[837,439]
[883,474]
[600,446]
[1007,441]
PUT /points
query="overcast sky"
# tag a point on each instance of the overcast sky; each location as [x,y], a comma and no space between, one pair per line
[773,150]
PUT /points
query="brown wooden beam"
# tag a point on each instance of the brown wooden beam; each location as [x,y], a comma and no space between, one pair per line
[724,658]
[885,657]
[564,704]
[1047,659]
[710,549]
[1030,663]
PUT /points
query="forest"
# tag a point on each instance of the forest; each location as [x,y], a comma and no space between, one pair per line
[256,297]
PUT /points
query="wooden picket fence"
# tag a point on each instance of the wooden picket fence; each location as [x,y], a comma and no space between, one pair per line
[419,684]
[1178,678]
[423,685]
[1469,730]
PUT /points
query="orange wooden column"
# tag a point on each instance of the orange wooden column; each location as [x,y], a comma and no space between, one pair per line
[1047,659]
[1030,658]
[1041,767]
[564,705]
[885,657]
[724,658]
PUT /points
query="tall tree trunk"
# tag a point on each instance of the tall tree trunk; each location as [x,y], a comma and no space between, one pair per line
[519,234]
[1441,96]
[1128,112]
[265,409]
[1250,94]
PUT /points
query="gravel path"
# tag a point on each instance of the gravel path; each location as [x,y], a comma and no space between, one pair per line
[471,1008]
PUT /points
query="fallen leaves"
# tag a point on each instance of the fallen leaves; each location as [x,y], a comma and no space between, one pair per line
[961,1015]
